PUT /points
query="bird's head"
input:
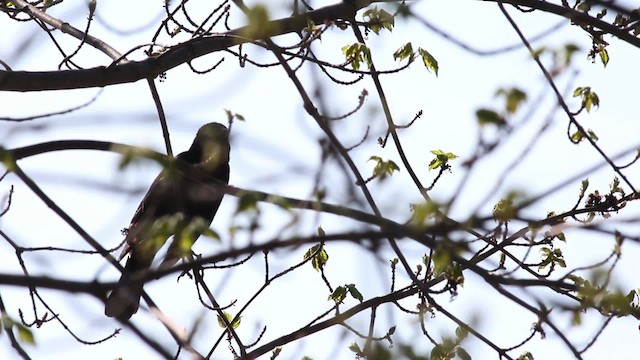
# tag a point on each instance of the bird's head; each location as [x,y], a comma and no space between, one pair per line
[212,143]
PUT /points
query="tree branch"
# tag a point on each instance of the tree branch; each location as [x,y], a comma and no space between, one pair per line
[575,16]
[176,55]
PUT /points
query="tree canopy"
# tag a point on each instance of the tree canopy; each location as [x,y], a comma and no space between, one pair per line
[409,179]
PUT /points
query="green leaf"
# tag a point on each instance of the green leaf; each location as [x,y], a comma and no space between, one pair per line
[441,261]
[438,353]
[584,185]
[592,100]
[618,247]
[231,116]
[356,54]
[421,212]
[616,303]
[569,51]
[280,201]
[247,201]
[454,275]
[505,210]
[461,333]
[577,137]
[604,56]
[25,334]
[588,97]
[383,168]
[578,91]
[229,318]
[338,295]
[380,352]
[486,116]
[405,52]
[355,348]
[536,53]
[551,257]
[6,158]
[312,29]
[514,97]
[441,159]
[353,291]
[584,7]
[614,187]
[525,356]
[379,19]
[631,296]
[133,154]
[162,229]
[463,354]
[258,26]
[319,254]
[185,234]
[429,61]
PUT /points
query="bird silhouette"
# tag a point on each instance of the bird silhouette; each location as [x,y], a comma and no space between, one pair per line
[179,203]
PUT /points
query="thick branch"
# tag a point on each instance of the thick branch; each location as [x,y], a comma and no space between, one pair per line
[575,16]
[179,54]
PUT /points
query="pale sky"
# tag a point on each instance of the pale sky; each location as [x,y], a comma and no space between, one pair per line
[276,151]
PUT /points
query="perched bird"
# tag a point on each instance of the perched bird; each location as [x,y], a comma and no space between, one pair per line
[179,203]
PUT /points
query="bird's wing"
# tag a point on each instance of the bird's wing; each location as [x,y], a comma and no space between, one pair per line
[204,198]
[157,202]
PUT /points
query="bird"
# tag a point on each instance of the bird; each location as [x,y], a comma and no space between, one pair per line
[179,203]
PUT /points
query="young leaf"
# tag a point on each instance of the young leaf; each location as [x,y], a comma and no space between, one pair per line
[486,116]
[588,97]
[577,136]
[25,334]
[383,168]
[353,291]
[569,51]
[463,354]
[461,333]
[338,294]
[247,201]
[229,318]
[320,256]
[356,54]
[7,159]
[406,51]
[356,349]
[429,61]
[441,159]
[514,97]
[421,212]
[259,25]
[379,19]
[604,56]
[504,210]
[231,116]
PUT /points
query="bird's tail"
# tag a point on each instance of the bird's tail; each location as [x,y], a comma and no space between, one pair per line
[124,301]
